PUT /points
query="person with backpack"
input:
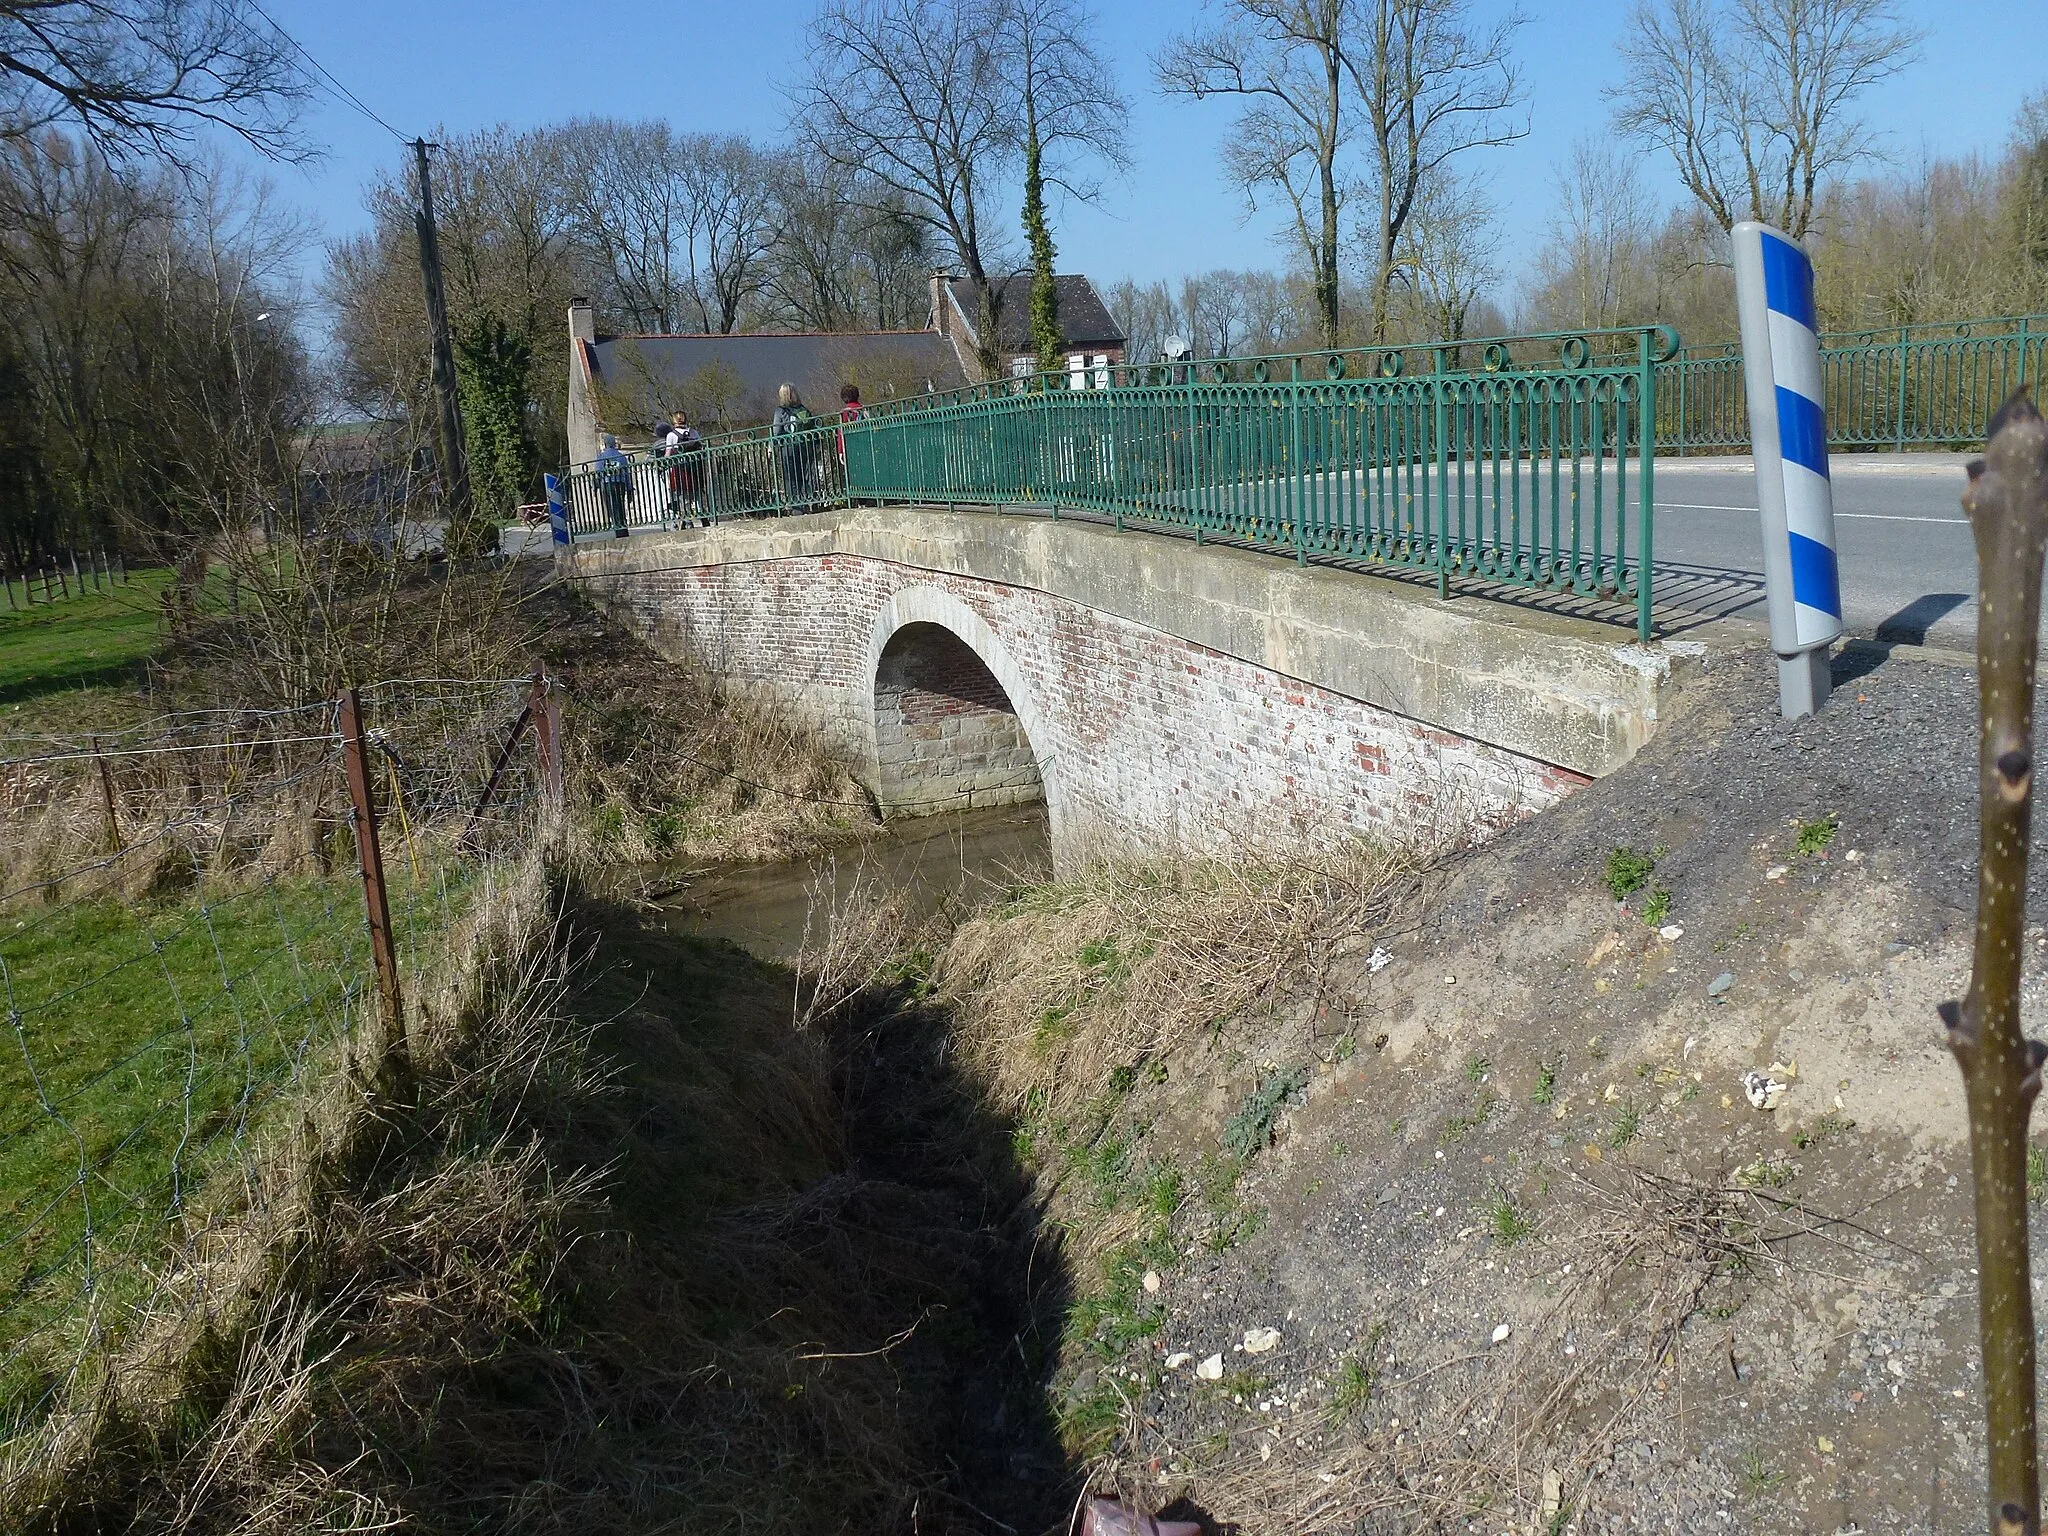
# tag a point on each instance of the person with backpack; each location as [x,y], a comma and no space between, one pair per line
[682,445]
[850,410]
[792,419]
[615,481]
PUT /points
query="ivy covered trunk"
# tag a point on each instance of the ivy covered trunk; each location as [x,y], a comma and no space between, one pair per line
[491,362]
[1045,300]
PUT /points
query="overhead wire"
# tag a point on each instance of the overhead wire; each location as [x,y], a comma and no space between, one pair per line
[333,85]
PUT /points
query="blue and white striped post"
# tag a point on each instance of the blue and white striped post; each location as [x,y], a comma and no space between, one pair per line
[1788,434]
[558,512]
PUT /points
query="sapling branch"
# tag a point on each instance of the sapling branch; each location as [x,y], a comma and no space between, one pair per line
[2007,503]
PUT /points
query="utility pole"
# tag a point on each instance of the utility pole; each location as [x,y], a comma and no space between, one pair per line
[448,412]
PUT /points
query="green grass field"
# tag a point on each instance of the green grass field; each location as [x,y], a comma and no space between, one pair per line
[74,665]
[146,1036]
[144,1039]
[149,1039]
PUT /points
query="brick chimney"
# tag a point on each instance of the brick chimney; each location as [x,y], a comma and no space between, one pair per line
[942,302]
[582,424]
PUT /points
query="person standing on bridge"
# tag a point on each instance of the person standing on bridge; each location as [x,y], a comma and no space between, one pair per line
[850,410]
[792,419]
[615,480]
[682,445]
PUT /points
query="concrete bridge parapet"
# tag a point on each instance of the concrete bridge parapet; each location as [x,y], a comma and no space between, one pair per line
[1154,691]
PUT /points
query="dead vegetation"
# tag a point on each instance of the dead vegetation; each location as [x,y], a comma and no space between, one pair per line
[249,1243]
[1070,982]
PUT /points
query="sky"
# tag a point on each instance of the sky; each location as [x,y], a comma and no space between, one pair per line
[457,65]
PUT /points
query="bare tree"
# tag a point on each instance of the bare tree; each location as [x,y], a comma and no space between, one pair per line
[1593,270]
[729,223]
[1073,115]
[153,379]
[2007,503]
[1410,78]
[632,212]
[915,96]
[1754,99]
[844,258]
[1286,60]
[1212,308]
[1432,89]
[1450,250]
[1147,315]
[149,75]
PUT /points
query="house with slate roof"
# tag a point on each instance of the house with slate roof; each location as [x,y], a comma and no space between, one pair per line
[628,385]
[1089,337]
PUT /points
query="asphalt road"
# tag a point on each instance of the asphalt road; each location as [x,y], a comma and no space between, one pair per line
[1909,570]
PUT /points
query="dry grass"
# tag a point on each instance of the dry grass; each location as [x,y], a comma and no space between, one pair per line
[666,763]
[623,1265]
[1126,965]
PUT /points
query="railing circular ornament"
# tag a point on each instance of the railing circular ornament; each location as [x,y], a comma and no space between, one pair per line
[1260,372]
[1495,357]
[1574,351]
[1964,332]
[1390,365]
[1334,368]
[1664,343]
[1219,373]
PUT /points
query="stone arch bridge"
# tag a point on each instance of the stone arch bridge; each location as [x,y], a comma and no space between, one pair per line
[1155,693]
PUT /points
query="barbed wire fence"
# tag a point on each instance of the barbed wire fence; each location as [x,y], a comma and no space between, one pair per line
[199,915]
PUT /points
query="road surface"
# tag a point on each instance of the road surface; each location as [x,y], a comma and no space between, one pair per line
[1909,570]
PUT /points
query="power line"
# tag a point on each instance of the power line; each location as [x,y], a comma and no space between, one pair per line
[334,86]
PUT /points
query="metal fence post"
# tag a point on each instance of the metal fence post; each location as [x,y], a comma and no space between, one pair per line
[1646,481]
[1297,484]
[1443,483]
[1899,423]
[376,901]
[107,798]
[547,732]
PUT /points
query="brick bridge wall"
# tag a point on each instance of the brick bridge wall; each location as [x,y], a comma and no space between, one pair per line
[1140,739]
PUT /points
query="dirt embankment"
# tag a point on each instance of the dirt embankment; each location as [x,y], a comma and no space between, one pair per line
[1478,1229]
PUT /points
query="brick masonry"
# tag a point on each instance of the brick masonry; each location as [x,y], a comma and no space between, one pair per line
[1141,740]
[946,735]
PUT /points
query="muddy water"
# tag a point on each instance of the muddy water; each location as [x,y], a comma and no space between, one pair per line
[956,860]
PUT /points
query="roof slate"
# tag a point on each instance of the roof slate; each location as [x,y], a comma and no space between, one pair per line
[732,380]
[1085,320]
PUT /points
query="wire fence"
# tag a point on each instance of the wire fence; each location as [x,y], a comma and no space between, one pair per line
[197,918]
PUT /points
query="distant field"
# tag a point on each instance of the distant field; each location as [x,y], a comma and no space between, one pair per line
[94,642]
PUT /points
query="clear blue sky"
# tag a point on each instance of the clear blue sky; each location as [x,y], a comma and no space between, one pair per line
[466,64]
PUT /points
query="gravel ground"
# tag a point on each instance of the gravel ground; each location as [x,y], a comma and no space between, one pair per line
[1534,1261]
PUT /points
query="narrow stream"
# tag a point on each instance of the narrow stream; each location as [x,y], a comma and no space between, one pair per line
[957,859]
[911,1232]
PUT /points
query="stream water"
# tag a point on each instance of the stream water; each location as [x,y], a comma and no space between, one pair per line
[956,859]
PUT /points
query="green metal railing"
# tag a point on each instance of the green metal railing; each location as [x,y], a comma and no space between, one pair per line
[1531,470]
[1911,386]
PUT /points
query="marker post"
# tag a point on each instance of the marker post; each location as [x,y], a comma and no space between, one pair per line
[1789,441]
[558,516]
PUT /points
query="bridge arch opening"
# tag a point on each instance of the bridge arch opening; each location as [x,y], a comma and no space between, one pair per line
[947,735]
